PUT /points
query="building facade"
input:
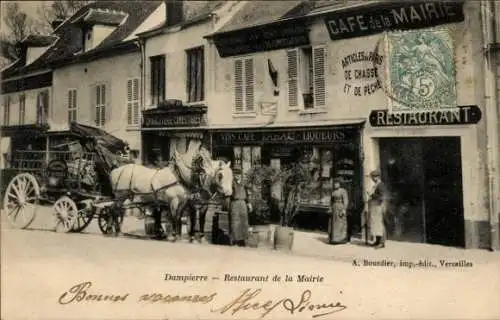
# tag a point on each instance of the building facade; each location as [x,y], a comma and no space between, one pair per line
[26,98]
[178,76]
[339,83]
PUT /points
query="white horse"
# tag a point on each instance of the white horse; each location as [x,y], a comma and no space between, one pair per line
[170,186]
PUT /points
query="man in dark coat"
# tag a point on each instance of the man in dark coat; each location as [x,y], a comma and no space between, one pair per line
[239,210]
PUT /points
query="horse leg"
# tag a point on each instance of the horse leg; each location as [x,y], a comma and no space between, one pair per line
[192,222]
[157,218]
[174,213]
[203,215]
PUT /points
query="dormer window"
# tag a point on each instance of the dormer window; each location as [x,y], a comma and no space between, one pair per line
[97,24]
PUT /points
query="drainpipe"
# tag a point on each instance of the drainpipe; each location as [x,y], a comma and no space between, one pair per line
[491,117]
[142,45]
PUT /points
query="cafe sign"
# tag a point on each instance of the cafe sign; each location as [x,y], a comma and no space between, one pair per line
[456,116]
[285,137]
[398,15]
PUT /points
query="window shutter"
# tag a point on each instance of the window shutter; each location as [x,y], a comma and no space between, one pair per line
[130,89]
[293,77]
[319,74]
[75,107]
[97,103]
[249,85]
[238,85]
[103,107]
[135,114]
[70,103]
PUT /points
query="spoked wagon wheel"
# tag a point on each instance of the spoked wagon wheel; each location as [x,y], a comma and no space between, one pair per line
[65,214]
[84,217]
[103,220]
[21,200]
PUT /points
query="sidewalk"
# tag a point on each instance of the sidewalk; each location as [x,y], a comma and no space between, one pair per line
[312,244]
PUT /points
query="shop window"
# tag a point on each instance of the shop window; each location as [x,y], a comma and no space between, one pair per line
[244,78]
[306,78]
[157,89]
[72,113]
[195,74]
[22,109]
[6,110]
[42,108]
[100,105]
[247,157]
[133,102]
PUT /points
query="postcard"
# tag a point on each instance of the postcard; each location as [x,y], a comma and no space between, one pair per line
[250,160]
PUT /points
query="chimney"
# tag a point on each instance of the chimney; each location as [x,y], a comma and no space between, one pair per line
[175,12]
[56,23]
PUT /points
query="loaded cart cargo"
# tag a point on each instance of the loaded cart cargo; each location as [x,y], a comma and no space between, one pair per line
[73,176]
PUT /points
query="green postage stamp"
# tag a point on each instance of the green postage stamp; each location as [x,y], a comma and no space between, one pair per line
[421,70]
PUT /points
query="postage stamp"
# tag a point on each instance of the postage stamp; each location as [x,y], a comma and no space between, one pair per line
[421,70]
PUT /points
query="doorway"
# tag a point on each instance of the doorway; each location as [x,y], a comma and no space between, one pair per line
[424,178]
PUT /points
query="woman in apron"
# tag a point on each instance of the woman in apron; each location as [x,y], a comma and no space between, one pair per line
[338,221]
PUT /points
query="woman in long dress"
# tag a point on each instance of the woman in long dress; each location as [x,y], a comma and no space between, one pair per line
[338,221]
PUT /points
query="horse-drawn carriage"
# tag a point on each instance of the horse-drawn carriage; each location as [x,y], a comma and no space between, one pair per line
[72,176]
[89,179]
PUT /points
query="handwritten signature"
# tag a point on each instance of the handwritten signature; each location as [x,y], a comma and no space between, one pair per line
[246,301]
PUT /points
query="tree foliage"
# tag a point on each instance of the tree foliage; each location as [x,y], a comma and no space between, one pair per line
[19,25]
[57,10]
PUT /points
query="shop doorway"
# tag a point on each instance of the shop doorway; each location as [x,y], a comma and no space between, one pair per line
[424,178]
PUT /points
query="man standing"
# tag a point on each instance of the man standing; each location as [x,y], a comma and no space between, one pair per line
[239,210]
[376,209]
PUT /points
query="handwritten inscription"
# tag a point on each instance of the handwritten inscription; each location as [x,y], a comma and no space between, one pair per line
[248,300]
[80,293]
[361,73]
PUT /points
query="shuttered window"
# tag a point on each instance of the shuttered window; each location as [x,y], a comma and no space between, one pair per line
[244,82]
[100,105]
[293,78]
[133,102]
[195,74]
[72,113]
[22,109]
[157,86]
[6,111]
[306,78]
[319,72]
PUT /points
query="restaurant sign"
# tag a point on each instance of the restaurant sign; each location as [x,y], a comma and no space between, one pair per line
[393,16]
[285,137]
[456,116]
[263,38]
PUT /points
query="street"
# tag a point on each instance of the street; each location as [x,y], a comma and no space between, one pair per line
[39,266]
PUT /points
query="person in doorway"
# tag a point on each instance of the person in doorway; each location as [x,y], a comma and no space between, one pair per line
[338,221]
[377,199]
[239,209]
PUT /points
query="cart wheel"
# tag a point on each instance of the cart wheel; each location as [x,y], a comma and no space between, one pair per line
[83,219]
[102,221]
[21,200]
[65,214]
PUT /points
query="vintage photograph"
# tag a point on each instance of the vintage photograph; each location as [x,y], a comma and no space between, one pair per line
[334,159]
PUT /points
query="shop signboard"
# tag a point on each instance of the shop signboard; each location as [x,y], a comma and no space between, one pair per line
[456,116]
[262,38]
[280,137]
[397,15]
